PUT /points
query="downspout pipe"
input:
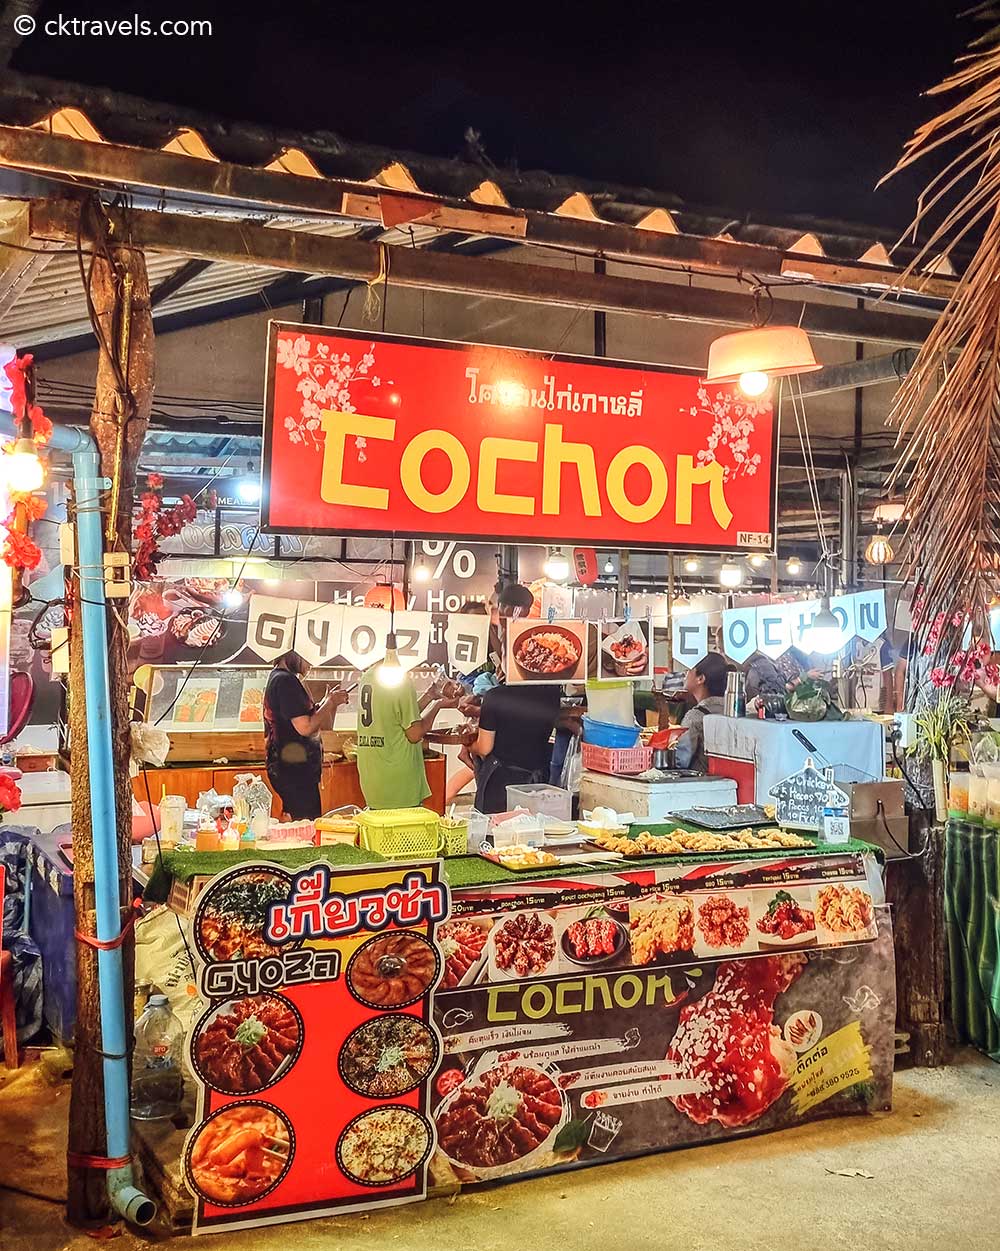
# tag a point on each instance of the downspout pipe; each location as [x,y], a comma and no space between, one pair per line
[125,1197]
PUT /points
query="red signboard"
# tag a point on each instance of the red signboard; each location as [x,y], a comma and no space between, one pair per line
[378,434]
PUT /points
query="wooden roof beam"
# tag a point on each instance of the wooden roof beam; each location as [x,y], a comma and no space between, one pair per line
[241,187]
[302,252]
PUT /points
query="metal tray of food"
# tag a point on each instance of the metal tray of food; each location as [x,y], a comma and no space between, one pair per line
[733,817]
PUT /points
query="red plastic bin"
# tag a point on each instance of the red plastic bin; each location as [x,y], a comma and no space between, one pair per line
[616,759]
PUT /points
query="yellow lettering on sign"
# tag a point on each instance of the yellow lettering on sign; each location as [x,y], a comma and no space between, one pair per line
[619,467]
[412,461]
[537,1001]
[581,455]
[688,477]
[837,1062]
[491,452]
[564,1004]
[333,489]
[493,996]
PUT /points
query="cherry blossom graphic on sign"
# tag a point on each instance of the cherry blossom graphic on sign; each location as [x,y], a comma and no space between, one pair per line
[327,381]
[734,422]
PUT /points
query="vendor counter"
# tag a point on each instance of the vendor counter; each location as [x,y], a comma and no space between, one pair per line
[586,1013]
[757,755]
[339,785]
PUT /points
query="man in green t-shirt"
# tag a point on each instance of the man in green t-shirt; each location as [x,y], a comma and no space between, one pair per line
[392,723]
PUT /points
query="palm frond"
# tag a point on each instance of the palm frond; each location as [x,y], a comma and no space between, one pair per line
[947,410]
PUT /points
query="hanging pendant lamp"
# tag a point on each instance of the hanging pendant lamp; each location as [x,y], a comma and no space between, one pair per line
[753,357]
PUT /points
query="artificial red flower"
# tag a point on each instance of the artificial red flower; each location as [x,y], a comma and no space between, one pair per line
[10,795]
[941,677]
[154,481]
[20,551]
[15,371]
[41,427]
[150,503]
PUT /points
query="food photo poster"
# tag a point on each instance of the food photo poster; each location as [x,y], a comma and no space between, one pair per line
[547,652]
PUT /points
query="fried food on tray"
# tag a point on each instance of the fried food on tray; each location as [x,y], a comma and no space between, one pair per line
[520,856]
[659,927]
[240,1154]
[681,842]
[844,909]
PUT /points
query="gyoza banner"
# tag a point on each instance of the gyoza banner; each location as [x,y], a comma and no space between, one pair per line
[328,634]
[774,628]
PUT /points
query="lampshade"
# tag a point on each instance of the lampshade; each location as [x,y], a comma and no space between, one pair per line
[890,511]
[772,350]
[879,550]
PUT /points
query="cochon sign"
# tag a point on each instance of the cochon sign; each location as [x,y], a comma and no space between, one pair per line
[373,434]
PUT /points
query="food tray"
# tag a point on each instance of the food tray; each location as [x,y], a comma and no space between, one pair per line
[733,817]
[493,858]
[616,759]
[732,853]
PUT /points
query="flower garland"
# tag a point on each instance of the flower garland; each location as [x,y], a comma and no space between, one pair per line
[19,550]
[10,794]
[156,521]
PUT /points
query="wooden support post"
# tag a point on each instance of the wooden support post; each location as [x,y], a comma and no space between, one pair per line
[112,266]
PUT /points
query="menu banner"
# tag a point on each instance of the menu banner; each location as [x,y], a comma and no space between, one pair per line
[315,1054]
[650,1059]
[375,433]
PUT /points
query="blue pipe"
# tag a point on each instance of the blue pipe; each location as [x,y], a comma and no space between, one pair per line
[126,1198]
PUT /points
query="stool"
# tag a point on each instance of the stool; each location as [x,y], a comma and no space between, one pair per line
[7,1018]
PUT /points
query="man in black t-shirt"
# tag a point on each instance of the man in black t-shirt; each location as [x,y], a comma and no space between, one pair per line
[515,725]
[292,721]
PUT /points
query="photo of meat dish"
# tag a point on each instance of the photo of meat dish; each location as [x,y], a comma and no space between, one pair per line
[231,915]
[392,970]
[247,1044]
[548,651]
[722,922]
[204,632]
[786,920]
[660,927]
[388,1056]
[593,939]
[499,1117]
[239,1154]
[461,944]
[625,652]
[845,910]
[384,1146]
[524,944]
[727,1040]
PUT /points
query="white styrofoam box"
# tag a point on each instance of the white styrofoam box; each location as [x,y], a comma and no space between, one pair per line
[50,787]
[652,800]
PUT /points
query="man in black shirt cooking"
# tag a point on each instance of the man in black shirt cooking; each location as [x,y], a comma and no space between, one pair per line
[292,722]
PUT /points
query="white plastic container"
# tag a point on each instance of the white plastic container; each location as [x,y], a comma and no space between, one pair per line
[172,809]
[541,797]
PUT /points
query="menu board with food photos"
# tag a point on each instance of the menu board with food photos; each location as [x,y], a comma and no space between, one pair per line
[315,1053]
[215,698]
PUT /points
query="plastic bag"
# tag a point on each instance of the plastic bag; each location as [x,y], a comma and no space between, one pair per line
[811,701]
[149,745]
[569,777]
[163,961]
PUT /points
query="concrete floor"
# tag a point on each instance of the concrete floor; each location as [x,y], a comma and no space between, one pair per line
[935,1161]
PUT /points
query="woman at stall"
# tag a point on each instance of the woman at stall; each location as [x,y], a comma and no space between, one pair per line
[706,684]
[292,724]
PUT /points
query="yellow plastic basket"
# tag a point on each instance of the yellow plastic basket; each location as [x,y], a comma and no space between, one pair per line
[401,833]
[454,837]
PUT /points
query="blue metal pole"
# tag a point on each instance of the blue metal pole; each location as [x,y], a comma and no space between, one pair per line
[129,1201]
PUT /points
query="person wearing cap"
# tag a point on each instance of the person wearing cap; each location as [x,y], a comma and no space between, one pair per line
[706,684]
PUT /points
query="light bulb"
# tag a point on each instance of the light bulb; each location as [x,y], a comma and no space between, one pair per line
[793,566]
[824,634]
[421,573]
[680,606]
[692,564]
[757,561]
[730,575]
[233,598]
[248,491]
[609,566]
[753,382]
[390,672]
[23,469]
[557,565]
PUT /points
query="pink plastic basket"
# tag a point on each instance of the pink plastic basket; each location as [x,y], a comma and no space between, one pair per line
[616,759]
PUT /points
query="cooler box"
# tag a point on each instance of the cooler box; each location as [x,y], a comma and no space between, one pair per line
[652,800]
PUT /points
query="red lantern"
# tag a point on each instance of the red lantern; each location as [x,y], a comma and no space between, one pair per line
[585,565]
[382,595]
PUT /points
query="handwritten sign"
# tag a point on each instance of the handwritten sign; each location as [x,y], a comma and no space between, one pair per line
[802,796]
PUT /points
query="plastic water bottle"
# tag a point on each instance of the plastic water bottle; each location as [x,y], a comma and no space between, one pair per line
[157,1081]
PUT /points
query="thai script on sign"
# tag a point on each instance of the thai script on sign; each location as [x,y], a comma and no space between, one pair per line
[313,911]
[249,977]
[514,394]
